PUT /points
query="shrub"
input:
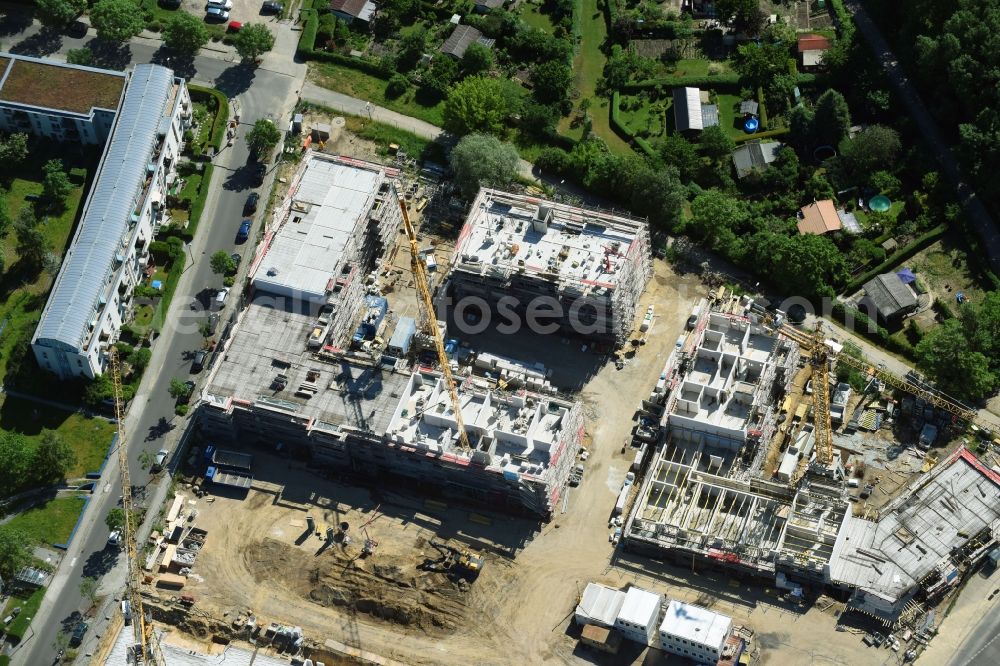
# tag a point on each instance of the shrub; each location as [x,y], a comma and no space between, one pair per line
[398,84]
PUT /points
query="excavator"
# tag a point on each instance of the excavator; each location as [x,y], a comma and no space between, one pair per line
[429,322]
[457,562]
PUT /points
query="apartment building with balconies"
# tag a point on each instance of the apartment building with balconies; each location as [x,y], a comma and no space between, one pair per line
[92,296]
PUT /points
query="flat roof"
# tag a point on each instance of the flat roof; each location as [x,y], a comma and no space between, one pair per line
[917,533]
[687,109]
[107,215]
[328,208]
[59,86]
[640,607]
[696,624]
[511,233]
[270,339]
[600,604]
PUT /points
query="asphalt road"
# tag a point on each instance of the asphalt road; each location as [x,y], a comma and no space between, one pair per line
[982,645]
[151,423]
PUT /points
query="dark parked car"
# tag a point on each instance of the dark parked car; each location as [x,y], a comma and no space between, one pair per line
[258,171]
[237,258]
[170,4]
[78,632]
[250,207]
[198,363]
[77,29]
[271,8]
[244,233]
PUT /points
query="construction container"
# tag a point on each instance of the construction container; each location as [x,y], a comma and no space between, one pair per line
[402,337]
[172,581]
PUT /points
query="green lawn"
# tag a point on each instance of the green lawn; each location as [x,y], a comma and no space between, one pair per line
[643,120]
[383,135]
[697,67]
[729,109]
[89,437]
[20,303]
[588,67]
[532,15]
[143,316]
[51,523]
[371,88]
[29,606]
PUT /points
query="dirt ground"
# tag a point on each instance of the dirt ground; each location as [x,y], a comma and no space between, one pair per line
[260,558]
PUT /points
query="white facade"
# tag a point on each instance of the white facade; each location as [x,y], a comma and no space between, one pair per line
[92,296]
[694,632]
[637,620]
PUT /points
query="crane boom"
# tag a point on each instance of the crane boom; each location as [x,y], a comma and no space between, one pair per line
[420,278]
[141,629]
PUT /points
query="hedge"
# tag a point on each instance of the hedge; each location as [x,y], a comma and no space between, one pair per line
[761,135]
[843,19]
[218,134]
[307,41]
[902,254]
[621,130]
[702,81]
[198,204]
[761,108]
[361,64]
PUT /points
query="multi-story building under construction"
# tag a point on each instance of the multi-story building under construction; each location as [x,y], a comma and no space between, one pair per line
[585,266]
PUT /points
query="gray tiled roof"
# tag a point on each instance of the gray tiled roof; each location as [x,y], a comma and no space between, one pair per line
[73,301]
[461,38]
[889,295]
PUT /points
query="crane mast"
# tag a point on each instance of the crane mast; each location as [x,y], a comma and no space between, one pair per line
[141,629]
[430,322]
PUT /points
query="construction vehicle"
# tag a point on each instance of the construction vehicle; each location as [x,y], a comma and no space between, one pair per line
[456,562]
[146,648]
[429,323]
[823,354]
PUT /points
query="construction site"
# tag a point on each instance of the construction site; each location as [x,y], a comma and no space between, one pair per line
[364,485]
[591,266]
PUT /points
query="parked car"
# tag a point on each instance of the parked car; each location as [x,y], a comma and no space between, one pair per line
[77,29]
[216,14]
[271,8]
[220,298]
[257,173]
[250,207]
[236,258]
[14,613]
[78,633]
[198,362]
[223,4]
[115,538]
[161,456]
[244,233]
[234,26]
[170,4]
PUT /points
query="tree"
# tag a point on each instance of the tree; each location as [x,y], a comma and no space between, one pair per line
[806,265]
[440,76]
[551,81]
[411,49]
[56,185]
[716,143]
[14,551]
[622,66]
[981,322]
[31,244]
[58,13]
[146,460]
[717,217]
[945,355]
[88,589]
[759,64]
[482,159]
[15,462]
[178,389]
[477,104]
[115,520]
[397,85]
[13,151]
[82,56]
[185,33]
[680,153]
[54,457]
[6,221]
[783,175]
[874,149]
[139,358]
[253,41]
[833,119]
[659,194]
[116,21]
[801,122]
[746,15]
[222,263]
[477,59]
[263,137]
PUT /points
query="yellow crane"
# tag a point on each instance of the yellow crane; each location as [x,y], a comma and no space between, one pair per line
[146,649]
[820,353]
[429,321]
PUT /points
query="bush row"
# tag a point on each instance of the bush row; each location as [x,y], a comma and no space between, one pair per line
[902,254]
[761,135]
[307,49]
[218,133]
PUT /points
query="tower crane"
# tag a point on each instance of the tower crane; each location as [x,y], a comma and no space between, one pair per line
[146,649]
[429,322]
[822,355]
